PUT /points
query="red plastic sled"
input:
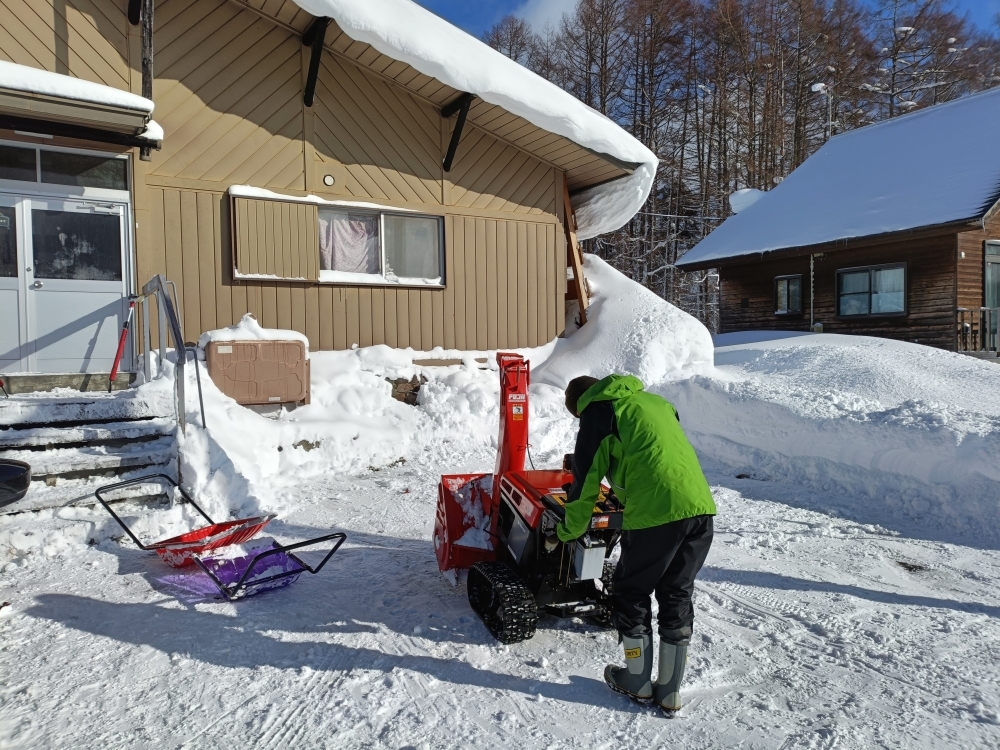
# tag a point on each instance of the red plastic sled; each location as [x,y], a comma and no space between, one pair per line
[179,551]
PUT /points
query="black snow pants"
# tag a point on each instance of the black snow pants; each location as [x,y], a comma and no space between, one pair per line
[665,560]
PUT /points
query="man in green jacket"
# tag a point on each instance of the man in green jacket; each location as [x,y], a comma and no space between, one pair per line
[635,439]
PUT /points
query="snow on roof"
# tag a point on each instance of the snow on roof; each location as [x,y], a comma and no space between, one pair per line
[404,31]
[35,81]
[936,166]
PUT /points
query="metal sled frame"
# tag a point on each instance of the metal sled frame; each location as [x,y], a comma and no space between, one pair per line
[243,585]
[197,540]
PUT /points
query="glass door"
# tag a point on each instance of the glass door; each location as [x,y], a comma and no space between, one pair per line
[74,284]
[992,290]
[12,322]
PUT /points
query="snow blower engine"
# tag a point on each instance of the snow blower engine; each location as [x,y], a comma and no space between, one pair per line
[495,525]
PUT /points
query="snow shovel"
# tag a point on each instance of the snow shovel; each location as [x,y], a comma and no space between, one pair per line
[180,550]
[262,567]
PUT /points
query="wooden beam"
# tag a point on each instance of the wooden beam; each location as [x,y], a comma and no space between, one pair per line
[579,287]
[459,104]
[315,35]
[145,153]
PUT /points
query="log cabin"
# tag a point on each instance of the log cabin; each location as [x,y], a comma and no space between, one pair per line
[890,230]
[359,171]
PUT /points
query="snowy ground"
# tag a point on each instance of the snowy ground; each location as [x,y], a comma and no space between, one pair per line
[843,604]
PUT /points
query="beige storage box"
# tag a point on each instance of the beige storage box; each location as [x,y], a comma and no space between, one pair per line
[260,372]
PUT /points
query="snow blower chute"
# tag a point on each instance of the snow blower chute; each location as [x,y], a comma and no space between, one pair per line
[495,525]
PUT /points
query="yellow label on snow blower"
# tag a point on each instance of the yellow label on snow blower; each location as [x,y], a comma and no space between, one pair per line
[633,653]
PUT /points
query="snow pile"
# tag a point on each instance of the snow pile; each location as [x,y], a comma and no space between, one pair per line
[629,330]
[248,329]
[904,429]
[404,31]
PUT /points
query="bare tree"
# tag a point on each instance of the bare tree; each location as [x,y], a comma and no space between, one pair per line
[513,37]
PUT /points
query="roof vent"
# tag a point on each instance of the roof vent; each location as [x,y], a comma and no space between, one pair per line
[743,199]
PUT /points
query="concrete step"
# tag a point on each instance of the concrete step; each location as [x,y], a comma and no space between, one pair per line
[80,492]
[43,437]
[95,459]
[68,407]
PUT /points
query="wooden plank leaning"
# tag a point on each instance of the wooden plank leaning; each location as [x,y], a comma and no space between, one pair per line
[579,286]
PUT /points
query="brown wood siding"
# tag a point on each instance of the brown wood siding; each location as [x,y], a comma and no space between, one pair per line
[582,167]
[276,238]
[228,94]
[931,280]
[970,269]
[389,143]
[502,284]
[86,39]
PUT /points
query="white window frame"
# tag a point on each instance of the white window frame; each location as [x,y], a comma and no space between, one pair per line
[380,279]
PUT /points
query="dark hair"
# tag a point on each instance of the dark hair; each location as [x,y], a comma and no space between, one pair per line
[576,388]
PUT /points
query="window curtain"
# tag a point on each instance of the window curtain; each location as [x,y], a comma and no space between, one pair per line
[888,290]
[348,242]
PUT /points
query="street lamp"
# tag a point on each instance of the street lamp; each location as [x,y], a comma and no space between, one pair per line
[827,90]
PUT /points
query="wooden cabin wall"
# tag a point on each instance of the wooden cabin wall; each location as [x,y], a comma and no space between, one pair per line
[970,269]
[228,93]
[931,279]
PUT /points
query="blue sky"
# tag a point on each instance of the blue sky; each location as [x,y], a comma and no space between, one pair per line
[476,17]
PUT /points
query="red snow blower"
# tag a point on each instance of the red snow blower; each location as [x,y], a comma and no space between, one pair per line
[495,525]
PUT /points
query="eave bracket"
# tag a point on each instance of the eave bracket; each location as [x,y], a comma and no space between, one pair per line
[314,37]
[461,105]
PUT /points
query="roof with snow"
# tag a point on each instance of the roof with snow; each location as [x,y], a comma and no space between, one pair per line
[404,31]
[933,167]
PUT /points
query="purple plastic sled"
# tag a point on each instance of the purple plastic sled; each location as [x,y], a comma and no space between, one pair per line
[260,569]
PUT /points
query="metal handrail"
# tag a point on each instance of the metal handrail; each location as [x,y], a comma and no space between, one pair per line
[976,329]
[166,308]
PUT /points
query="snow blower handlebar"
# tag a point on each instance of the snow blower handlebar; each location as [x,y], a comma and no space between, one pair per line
[142,480]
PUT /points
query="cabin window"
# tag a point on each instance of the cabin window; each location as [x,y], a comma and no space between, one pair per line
[788,295]
[871,291]
[379,247]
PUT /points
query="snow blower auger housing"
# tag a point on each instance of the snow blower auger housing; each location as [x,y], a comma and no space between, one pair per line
[495,525]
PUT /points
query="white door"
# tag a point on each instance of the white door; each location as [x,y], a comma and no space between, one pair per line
[75,284]
[12,323]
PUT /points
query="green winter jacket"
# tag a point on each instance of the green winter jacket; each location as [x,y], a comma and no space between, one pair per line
[634,439]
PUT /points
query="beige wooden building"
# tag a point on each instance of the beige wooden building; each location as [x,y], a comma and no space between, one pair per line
[301,175]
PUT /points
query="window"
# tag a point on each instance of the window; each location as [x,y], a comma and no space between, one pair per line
[877,290]
[788,295]
[369,247]
[303,240]
[18,164]
[63,168]
[83,170]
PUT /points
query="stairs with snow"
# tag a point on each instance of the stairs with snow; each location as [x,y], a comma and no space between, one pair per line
[76,443]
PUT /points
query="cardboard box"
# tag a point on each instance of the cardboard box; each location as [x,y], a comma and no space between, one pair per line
[260,372]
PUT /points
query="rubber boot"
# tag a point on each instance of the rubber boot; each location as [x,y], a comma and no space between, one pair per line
[634,679]
[673,659]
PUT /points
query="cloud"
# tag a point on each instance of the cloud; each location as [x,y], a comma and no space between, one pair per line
[540,12]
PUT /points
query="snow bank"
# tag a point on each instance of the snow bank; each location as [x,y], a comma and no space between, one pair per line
[629,330]
[404,31]
[904,429]
[248,329]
